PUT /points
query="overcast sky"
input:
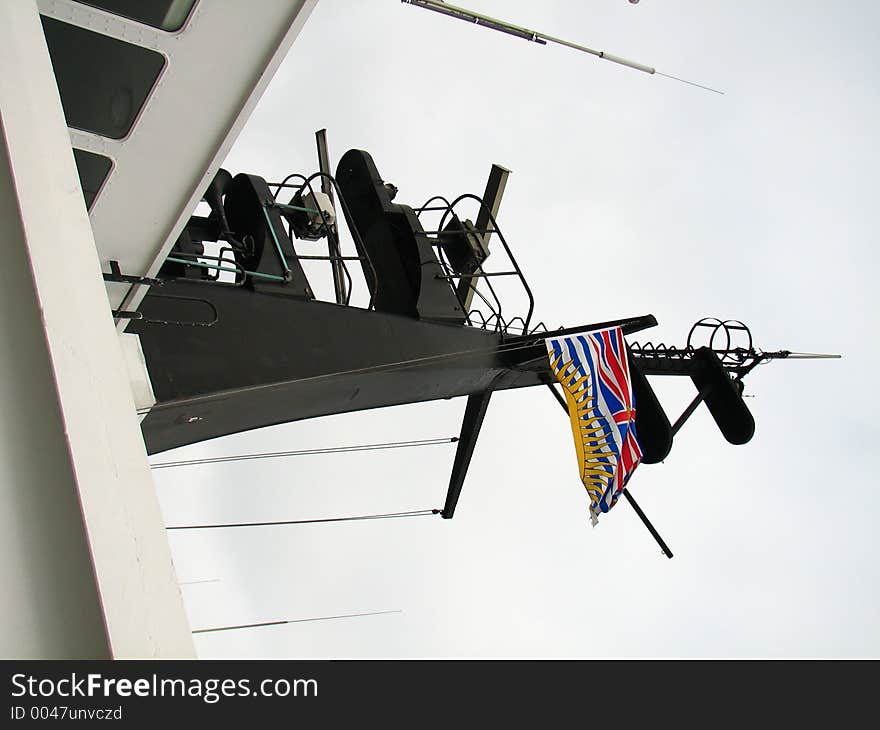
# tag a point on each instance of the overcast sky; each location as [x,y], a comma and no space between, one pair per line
[630,194]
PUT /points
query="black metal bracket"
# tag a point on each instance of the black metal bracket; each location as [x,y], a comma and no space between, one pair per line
[117,276]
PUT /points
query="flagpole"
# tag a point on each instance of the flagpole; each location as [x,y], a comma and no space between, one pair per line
[663,546]
[642,516]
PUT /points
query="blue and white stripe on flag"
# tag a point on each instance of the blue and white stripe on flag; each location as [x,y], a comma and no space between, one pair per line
[593,370]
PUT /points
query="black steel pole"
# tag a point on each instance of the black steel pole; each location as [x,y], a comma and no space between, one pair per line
[663,546]
[688,412]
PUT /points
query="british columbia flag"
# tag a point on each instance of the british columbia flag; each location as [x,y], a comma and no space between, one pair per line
[594,373]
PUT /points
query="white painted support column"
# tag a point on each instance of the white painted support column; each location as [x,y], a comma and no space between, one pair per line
[85,563]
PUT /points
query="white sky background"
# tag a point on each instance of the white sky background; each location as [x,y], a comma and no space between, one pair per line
[630,194]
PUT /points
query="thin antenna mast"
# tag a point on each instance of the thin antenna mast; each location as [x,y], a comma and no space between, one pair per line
[453,11]
[332,235]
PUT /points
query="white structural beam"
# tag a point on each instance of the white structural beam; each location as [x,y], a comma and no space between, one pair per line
[217,67]
[84,559]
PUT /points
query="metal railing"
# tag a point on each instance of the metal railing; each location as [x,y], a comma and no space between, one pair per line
[476,317]
[330,228]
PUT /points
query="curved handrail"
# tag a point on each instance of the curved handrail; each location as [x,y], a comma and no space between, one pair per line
[496,230]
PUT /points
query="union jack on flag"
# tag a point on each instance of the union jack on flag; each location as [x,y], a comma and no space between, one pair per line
[594,373]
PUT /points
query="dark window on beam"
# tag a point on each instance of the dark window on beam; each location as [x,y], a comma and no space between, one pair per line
[103,82]
[163,14]
[93,170]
